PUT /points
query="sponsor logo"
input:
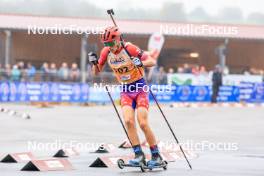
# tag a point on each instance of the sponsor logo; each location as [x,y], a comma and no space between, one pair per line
[184,92]
[125,77]
[117,60]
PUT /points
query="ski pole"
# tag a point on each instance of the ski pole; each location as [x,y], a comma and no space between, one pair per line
[111,13]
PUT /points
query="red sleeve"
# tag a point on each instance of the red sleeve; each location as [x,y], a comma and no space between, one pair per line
[103,55]
[136,51]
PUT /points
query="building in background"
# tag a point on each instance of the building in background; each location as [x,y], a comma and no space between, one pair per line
[245,46]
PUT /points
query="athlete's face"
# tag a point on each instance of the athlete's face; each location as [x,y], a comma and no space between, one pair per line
[114,45]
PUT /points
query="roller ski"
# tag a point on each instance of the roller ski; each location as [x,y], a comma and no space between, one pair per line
[140,161]
[157,162]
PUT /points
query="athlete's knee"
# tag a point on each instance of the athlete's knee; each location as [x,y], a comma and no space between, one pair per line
[143,125]
[130,122]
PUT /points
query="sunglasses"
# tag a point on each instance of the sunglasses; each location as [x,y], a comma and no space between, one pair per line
[110,44]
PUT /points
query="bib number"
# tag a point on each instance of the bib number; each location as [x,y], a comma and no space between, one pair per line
[121,70]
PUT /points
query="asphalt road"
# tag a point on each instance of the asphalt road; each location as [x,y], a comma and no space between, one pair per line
[229,141]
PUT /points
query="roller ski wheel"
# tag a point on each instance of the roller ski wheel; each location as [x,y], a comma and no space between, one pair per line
[165,167]
[121,163]
[139,161]
[143,167]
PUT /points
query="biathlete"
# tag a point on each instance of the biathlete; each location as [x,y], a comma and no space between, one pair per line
[130,74]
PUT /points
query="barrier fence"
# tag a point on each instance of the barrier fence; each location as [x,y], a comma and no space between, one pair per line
[80,93]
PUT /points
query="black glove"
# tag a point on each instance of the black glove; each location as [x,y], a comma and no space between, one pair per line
[92,57]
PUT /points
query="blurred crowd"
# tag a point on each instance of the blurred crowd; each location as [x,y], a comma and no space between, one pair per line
[50,72]
[193,69]
[254,71]
[47,72]
[158,75]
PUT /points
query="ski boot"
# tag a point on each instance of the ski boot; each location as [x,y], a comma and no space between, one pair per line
[138,160]
[156,162]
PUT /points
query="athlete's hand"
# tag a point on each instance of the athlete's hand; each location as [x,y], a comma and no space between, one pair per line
[92,57]
[137,61]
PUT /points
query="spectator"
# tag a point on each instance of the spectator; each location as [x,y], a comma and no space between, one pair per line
[64,72]
[195,70]
[253,71]
[15,73]
[262,74]
[246,72]
[170,71]
[217,82]
[162,76]
[21,67]
[30,72]
[53,72]
[180,70]
[203,70]
[75,73]
[7,72]
[44,72]
[187,68]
